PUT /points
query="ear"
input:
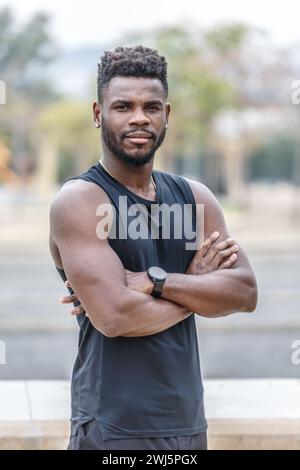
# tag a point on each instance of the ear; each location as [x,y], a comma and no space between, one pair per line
[97,110]
[167,110]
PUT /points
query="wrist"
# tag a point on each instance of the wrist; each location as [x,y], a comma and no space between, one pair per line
[158,277]
[148,284]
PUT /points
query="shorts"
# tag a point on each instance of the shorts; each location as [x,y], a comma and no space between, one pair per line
[87,436]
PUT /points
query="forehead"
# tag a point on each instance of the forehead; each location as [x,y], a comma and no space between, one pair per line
[133,88]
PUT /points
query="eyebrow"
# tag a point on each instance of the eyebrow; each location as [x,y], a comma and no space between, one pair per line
[125,101]
[155,102]
[122,101]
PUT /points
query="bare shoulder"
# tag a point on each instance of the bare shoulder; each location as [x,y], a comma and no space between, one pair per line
[78,193]
[75,205]
[202,194]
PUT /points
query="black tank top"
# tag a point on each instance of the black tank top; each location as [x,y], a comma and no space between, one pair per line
[146,386]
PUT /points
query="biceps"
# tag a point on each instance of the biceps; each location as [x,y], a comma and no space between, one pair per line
[216,221]
[96,274]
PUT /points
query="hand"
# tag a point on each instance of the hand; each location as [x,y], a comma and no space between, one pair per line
[139,281]
[212,256]
[69,299]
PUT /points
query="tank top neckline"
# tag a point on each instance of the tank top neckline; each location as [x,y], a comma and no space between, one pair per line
[131,193]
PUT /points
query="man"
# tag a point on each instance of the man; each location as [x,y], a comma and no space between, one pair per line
[136,381]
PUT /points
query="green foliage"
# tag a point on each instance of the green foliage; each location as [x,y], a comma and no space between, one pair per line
[224,38]
[24,51]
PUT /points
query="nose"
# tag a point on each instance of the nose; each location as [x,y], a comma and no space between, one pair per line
[138,118]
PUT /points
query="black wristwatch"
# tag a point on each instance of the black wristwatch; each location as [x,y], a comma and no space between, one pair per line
[158,276]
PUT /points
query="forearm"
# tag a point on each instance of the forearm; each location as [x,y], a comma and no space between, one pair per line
[143,315]
[214,294]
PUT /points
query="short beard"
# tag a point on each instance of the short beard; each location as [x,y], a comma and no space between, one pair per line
[112,144]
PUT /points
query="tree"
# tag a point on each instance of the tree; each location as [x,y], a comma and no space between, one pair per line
[25,51]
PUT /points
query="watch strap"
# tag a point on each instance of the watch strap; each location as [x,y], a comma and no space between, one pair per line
[157,289]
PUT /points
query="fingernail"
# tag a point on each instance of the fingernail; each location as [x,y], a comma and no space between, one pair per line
[216,234]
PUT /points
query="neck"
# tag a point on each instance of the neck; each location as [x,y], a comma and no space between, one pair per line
[135,178]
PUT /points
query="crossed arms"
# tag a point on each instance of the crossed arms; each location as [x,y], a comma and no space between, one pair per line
[117,301]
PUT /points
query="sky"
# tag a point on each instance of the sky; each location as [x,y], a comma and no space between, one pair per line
[85,22]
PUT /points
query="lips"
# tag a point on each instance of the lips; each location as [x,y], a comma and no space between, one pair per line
[139,137]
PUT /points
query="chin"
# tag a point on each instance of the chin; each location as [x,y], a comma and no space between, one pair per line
[140,160]
[137,159]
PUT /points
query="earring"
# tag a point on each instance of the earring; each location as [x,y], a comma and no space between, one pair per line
[167,126]
[97,124]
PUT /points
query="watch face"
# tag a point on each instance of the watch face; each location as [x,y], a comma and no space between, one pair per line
[157,273]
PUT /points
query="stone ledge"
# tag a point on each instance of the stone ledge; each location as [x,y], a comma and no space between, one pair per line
[256,434]
[242,414]
[34,435]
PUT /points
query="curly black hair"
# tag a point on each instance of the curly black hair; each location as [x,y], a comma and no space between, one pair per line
[137,61]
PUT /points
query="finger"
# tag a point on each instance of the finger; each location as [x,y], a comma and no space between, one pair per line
[69,299]
[224,255]
[221,251]
[77,310]
[208,242]
[221,256]
[225,244]
[229,262]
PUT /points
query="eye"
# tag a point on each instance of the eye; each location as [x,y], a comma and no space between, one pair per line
[154,108]
[121,107]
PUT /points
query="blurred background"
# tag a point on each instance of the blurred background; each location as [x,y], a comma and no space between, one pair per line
[234,79]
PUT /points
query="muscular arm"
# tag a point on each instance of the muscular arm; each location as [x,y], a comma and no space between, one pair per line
[220,292]
[96,272]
